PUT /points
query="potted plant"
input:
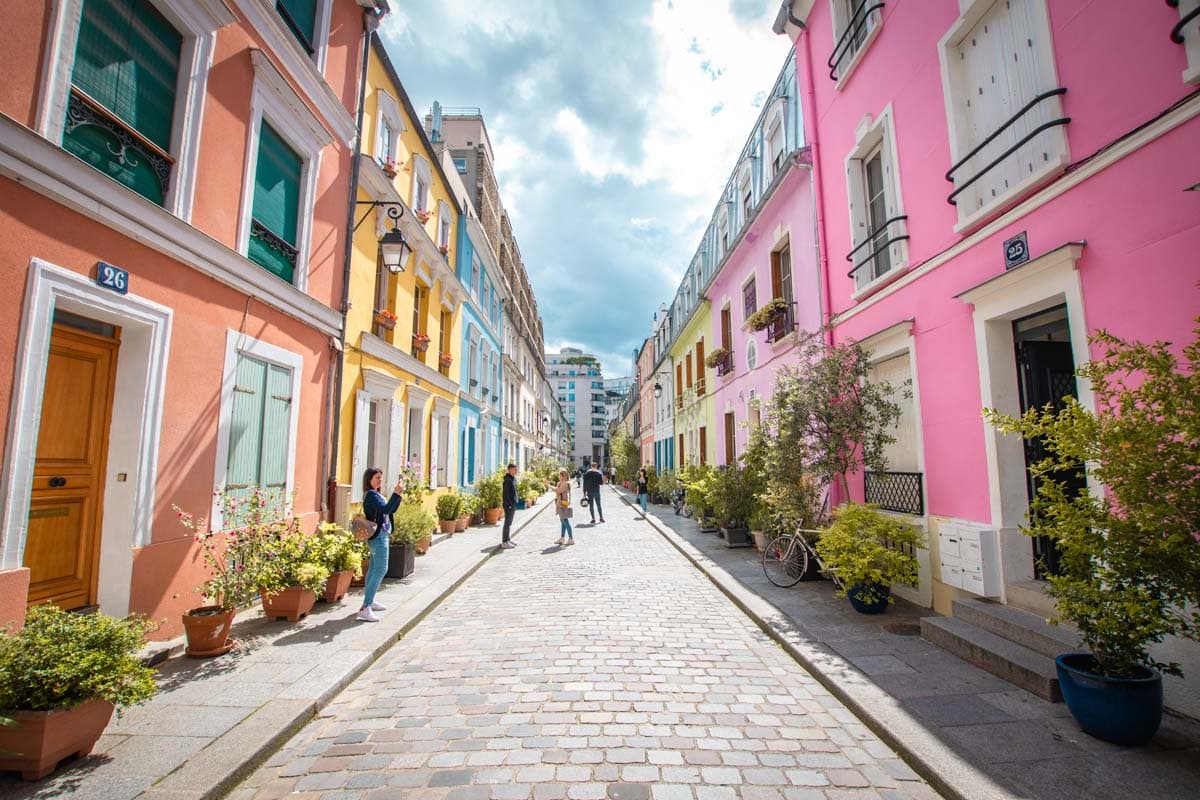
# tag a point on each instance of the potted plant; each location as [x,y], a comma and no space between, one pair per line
[491,496]
[732,505]
[389,167]
[291,576]
[423,216]
[444,249]
[1129,556]
[716,357]
[765,317]
[868,552]
[421,341]
[413,524]
[446,360]
[465,502]
[448,506]
[342,555]
[61,676]
[759,525]
[384,318]
[472,508]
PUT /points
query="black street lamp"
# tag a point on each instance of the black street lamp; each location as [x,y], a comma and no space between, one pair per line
[657,390]
[393,247]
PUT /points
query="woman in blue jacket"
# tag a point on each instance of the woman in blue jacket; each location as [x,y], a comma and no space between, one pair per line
[379,511]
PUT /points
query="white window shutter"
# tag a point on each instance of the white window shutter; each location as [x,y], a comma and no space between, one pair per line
[362,416]
[433,451]
[395,448]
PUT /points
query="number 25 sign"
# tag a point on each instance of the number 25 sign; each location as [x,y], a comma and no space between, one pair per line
[111,277]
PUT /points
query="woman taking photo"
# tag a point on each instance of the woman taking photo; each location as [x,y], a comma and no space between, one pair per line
[643,488]
[562,502]
[379,511]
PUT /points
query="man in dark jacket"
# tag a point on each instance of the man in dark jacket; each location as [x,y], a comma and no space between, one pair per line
[592,480]
[510,503]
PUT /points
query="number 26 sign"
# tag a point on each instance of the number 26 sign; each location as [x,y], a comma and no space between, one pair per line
[111,277]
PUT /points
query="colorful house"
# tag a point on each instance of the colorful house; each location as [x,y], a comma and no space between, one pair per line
[692,380]
[174,180]
[401,366]
[997,181]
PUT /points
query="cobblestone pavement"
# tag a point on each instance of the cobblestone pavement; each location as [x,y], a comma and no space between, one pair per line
[607,669]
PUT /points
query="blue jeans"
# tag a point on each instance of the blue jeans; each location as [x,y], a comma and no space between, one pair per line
[642,501]
[566,528]
[377,568]
[594,504]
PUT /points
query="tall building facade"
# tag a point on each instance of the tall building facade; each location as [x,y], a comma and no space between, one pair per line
[579,387]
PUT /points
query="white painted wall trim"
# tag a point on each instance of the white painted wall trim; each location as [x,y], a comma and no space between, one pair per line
[49,170]
[133,433]
[372,345]
[237,342]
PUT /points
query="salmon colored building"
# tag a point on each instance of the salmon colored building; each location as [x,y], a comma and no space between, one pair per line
[174,185]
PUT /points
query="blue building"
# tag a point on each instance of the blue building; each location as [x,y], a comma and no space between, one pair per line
[481,371]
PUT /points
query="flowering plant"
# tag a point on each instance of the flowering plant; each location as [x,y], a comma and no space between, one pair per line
[444,249]
[716,357]
[421,341]
[292,559]
[337,549]
[235,557]
[446,360]
[389,167]
[423,216]
[412,481]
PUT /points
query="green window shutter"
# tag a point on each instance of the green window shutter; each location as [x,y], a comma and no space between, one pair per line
[301,18]
[246,427]
[276,207]
[127,62]
[276,426]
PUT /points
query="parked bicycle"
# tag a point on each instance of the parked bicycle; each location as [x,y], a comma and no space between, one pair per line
[679,501]
[786,559]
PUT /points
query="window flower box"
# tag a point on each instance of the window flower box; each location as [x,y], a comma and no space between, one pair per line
[423,216]
[420,341]
[444,249]
[389,167]
[384,318]
[771,312]
[446,360]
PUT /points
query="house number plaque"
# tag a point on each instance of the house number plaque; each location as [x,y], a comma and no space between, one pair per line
[111,277]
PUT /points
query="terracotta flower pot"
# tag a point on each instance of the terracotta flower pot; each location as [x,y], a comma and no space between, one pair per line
[447,525]
[290,604]
[337,585]
[462,523]
[361,580]
[477,518]
[207,629]
[422,545]
[492,515]
[43,738]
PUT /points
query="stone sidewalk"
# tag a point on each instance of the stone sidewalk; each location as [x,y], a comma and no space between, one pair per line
[970,733]
[214,720]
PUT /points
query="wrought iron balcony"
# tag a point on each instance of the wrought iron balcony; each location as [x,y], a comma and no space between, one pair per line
[896,491]
[1177,31]
[678,401]
[1025,109]
[782,326]
[108,143]
[700,381]
[872,237]
[725,365]
[848,43]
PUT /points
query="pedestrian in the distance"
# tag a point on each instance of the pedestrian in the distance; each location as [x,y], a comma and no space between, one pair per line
[510,504]
[593,479]
[643,488]
[379,511]
[562,496]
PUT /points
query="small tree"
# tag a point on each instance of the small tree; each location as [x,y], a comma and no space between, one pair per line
[626,455]
[826,419]
[1131,557]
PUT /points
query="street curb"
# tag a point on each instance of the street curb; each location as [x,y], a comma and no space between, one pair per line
[934,761]
[284,729]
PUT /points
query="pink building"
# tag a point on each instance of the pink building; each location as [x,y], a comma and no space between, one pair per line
[998,180]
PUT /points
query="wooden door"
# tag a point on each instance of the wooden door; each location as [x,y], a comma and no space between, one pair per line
[62,549]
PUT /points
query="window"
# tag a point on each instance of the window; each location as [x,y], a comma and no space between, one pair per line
[389,124]
[703,448]
[422,180]
[775,148]
[445,222]
[474,276]
[120,110]
[460,164]
[420,302]
[855,25]
[1189,36]
[877,221]
[749,299]
[751,352]
[730,439]
[472,376]
[998,59]
[700,367]
[747,196]
[688,363]
[300,16]
[443,339]
[274,218]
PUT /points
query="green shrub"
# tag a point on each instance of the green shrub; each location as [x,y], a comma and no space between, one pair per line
[292,560]
[413,524]
[60,659]
[491,489]
[448,506]
[471,504]
[732,501]
[864,548]
[337,549]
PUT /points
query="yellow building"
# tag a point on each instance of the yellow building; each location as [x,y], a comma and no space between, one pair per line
[695,412]
[399,387]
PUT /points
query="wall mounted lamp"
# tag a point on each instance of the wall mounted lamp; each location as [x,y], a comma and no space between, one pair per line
[657,390]
[393,247]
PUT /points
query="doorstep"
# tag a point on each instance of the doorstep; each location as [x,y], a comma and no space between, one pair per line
[215,720]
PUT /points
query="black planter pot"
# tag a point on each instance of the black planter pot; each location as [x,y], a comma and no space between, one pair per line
[882,593]
[708,526]
[737,537]
[401,560]
[1124,711]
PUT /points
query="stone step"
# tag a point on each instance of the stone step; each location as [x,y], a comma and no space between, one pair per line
[1014,663]
[1016,625]
[1030,596]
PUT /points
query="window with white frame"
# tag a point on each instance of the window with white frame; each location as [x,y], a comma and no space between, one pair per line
[474,284]
[389,124]
[1188,34]
[878,232]
[1003,104]
[308,22]
[422,180]
[775,147]
[855,25]
[746,195]
[722,234]
[445,222]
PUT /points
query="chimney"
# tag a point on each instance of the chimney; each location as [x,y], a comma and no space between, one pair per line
[435,135]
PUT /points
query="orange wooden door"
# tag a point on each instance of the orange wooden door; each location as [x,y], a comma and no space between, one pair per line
[63,545]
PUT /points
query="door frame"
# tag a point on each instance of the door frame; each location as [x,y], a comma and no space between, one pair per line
[1050,280]
[128,506]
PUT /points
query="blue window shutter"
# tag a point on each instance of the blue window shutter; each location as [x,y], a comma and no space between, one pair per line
[245,430]
[276,205]
[277,408]
[301,18]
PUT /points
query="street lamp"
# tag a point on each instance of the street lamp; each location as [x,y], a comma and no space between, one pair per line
[393,247]
[657,390]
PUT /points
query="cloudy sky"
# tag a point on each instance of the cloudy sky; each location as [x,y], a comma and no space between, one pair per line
[615,124]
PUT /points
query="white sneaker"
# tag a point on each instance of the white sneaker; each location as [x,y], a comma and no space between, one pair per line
[378,607]
[571,541]
[561,541]
[366,615]
[507,545]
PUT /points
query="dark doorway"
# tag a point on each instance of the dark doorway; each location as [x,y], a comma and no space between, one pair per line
[1046,371]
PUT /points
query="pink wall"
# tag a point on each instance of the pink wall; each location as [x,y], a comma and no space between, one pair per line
[1139,269]
[785,217]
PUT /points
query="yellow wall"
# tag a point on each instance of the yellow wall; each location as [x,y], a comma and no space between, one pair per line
[703,410]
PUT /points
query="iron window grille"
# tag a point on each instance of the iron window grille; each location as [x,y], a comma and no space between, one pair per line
[853,36]
[895,491]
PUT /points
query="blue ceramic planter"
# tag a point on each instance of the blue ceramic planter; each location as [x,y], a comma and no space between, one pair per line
[877,607]
[1119,710]
[520,505]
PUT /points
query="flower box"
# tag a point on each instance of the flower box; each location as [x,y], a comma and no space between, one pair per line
[385,319]
[420,342]
[446,360]
[290,604]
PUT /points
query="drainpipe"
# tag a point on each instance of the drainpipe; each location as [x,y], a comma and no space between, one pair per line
[371,19]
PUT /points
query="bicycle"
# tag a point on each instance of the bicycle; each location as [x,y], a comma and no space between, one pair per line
[785,559]
[682,507]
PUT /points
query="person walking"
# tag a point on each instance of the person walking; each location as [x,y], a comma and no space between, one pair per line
[510,504]
[593,479]
[562,497]
[379,511]
[643,488]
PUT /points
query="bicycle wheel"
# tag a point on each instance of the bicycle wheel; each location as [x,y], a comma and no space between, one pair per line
[785,560]
[686,511]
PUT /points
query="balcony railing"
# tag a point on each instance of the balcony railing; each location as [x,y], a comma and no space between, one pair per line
[678,402]
[872,236]
[848,43]
[1025,109]
[1177,31]
[896,491]
[725,365]
[700,385]
[782,326]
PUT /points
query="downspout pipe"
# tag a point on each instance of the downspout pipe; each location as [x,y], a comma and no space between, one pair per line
[371,19]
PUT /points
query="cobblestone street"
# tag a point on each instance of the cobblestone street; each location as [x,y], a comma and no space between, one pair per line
[608,669]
